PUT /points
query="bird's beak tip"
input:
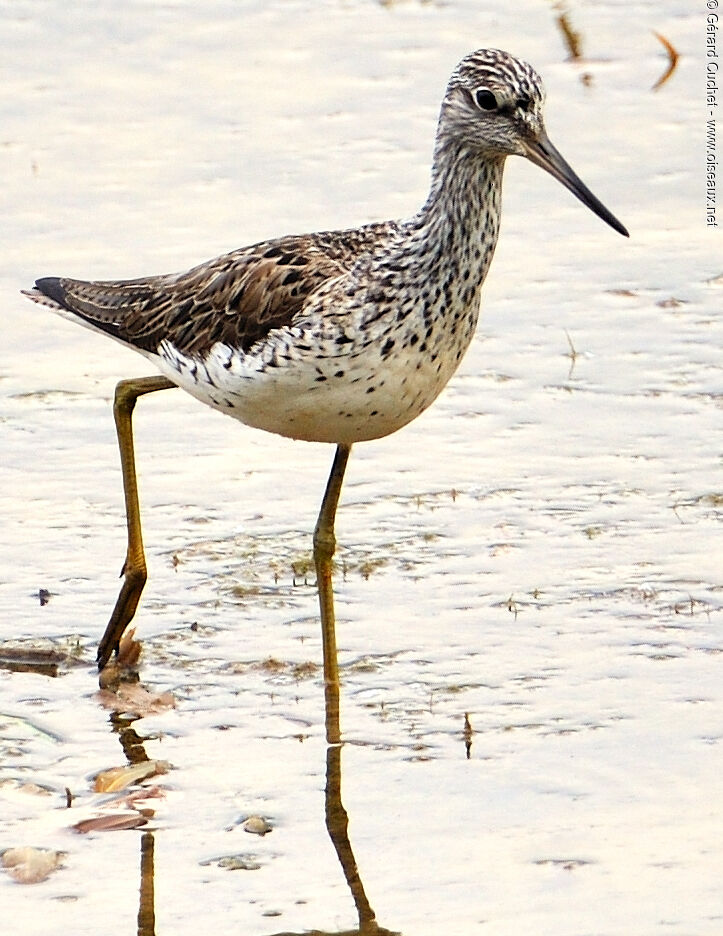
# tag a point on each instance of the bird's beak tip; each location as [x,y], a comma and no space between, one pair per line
[541,152]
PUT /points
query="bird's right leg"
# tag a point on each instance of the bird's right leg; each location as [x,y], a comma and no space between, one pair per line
[134,568]
[324,547]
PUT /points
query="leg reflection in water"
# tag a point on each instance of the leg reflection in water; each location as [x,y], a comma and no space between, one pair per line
[135,752]
[337,819]
[146,907]
[337,822]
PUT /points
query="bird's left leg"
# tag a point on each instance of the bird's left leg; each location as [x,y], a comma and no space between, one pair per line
[134,567]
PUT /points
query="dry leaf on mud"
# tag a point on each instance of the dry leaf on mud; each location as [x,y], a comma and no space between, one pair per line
[118,778]
[136,699]
[137,800]
[129,649]
[110,823]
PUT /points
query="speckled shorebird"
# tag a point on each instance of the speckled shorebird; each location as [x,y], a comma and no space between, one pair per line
[340,336]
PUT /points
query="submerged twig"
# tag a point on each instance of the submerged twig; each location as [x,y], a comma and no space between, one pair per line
[672,61]
[572,38]
[572,355]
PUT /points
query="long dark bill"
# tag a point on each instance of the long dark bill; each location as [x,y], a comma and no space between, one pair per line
[542,153]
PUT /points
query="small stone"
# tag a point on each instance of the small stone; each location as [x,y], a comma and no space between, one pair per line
[257,825]
[28,865]
[239,863]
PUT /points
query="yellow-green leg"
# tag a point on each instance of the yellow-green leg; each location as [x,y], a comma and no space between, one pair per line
[324,546]
[134,568]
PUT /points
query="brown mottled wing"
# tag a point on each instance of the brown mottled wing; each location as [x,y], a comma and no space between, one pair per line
[235,299]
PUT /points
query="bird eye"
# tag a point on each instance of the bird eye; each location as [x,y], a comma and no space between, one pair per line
[485,99]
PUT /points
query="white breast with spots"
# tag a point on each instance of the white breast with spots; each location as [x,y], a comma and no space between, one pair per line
[312,387]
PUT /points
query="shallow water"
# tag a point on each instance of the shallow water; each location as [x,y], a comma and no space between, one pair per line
[540,551]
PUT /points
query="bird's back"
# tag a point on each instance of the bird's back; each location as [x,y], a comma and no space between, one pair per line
[235,299]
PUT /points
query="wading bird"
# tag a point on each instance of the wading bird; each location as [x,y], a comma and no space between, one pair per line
[340,336]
